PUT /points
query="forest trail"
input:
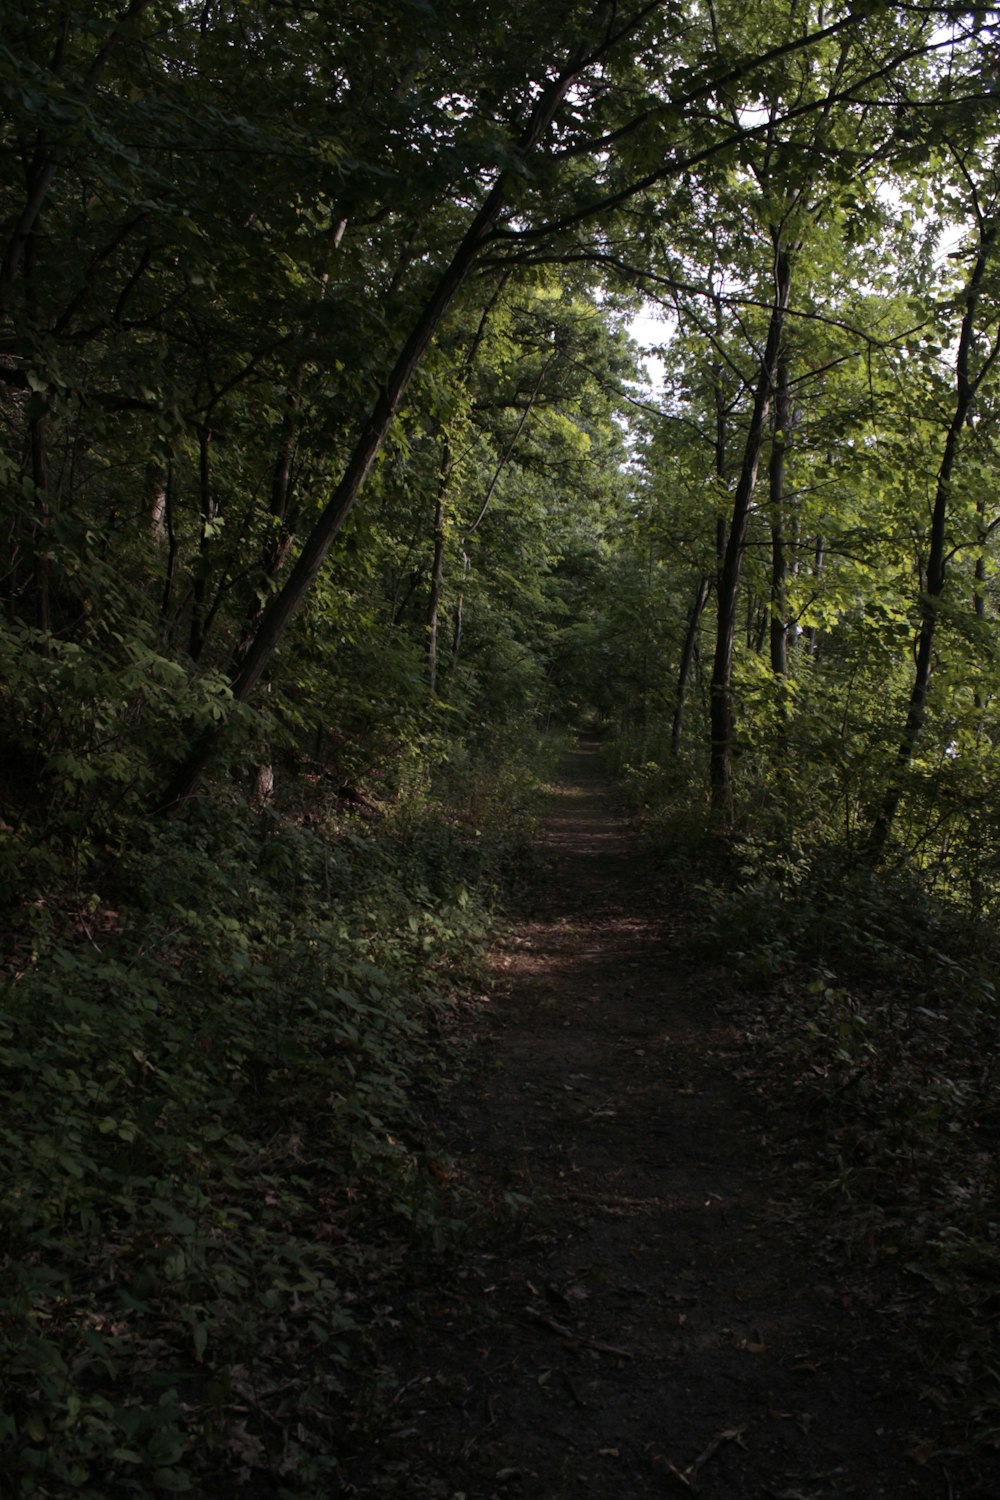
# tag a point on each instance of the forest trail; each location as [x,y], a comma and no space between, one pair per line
[672,1318]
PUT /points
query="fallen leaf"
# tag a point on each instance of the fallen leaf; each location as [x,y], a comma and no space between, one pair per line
[751,1346]
[922,1453]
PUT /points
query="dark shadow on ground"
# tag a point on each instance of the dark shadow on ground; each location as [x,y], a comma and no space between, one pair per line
[669,1318]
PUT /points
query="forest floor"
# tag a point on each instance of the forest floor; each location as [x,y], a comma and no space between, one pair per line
[670,1313]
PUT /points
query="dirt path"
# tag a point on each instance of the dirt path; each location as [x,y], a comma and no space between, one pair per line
[671,1321]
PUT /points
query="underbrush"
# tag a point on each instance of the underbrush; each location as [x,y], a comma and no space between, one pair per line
[873,1004]
[210,1051]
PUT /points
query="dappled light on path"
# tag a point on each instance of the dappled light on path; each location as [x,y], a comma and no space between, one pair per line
[663,1315]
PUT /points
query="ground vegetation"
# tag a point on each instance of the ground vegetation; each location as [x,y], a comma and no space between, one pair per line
[329,486]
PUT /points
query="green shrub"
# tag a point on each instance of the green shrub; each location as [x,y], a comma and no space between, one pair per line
[212,1035]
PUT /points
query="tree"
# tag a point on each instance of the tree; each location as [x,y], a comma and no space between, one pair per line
[976,356]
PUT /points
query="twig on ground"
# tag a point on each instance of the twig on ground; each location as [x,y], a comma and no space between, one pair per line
[689,1477]
[538,1316]
[612,1200]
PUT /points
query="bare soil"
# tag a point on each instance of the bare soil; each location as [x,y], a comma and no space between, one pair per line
[670,1314]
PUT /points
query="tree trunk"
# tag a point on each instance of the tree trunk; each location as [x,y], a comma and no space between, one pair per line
[456,634]
[779,555]
[721,708]
[246,671]
[207,506]
[687,657]
[440,509]
[689,650]
[170,568]
[979,583]
[508,452]
[275,550]
[437,567]
[812,638]
[43,518]
[966,387]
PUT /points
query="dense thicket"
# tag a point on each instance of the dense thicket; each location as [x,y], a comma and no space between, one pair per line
[325,482]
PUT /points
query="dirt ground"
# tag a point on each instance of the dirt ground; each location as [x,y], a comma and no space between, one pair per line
[670,1317]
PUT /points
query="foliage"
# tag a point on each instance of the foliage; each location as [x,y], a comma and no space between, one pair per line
[324,468]
[874,1011]
[211,1052]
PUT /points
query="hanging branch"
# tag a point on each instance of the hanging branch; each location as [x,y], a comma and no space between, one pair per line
[508,451]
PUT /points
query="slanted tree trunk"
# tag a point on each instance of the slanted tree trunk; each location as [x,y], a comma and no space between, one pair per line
[508,452]
[248,669]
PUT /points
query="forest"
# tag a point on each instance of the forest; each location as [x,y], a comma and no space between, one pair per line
[337,496]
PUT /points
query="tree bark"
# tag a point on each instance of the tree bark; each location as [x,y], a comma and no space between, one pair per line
[721,708]
[779,553]
[456,634]
[208,511]
[701,594]
[689,650]
[812,636]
